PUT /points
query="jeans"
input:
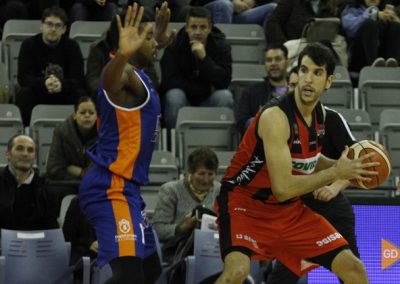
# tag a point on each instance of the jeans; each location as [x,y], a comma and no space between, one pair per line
[221,11]
[176,99]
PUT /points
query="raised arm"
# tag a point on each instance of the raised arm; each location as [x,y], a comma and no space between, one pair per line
[117,75]
[274,131]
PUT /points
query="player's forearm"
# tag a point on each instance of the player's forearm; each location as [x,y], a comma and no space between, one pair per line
[297,185]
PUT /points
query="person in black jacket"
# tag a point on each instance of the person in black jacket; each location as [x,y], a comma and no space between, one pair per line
[255,96]
[80,233]
[196,68]
[330,202]
[24,202]
[50,66]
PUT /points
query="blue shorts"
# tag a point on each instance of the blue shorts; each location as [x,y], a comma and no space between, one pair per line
[115,208]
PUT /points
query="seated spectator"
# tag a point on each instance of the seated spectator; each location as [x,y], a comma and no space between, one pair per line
[93,10]
[50,66]
[292,79]
[255,96]
[24,202]
[196,68]
[373,34]
[67,156]
[177,199]
[80,233]
[289,18]
[106,46]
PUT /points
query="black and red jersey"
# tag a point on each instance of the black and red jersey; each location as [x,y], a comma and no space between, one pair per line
[248,171]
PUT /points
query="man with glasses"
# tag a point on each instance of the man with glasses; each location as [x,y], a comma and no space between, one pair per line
[50,66]
[253,97]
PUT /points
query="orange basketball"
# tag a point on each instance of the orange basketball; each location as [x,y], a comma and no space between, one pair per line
[363,147]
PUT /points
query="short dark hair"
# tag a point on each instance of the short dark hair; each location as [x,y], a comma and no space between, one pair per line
[199,12]
[320,54]
[83,99]
[202,157]
[56,12]
[277,46]
[10,142]
[294,70]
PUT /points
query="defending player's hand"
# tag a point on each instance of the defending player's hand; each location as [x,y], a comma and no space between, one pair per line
[163,37]
[326,193]
[130,38]
[355,169]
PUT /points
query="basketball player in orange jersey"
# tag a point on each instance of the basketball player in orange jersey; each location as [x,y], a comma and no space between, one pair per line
[260,214]
[129,110]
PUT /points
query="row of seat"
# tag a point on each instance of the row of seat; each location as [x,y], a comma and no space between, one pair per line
[247,40]
[196,126]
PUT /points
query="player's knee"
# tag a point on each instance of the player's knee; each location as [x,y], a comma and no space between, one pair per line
[234,276]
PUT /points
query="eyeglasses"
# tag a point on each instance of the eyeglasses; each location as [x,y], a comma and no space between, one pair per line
[52,25]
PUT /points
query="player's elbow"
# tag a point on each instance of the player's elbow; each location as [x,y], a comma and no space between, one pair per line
[280,193]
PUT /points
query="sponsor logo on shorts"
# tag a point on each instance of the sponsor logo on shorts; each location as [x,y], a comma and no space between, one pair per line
[124,226]
[329,239]
[390,254]
[247,238]
[124,230]
[240,209]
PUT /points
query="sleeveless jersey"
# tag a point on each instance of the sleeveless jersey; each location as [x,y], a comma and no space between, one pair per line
[127,136]
[248,172]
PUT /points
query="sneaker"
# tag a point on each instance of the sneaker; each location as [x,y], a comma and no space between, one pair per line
[391,62]
[379,62]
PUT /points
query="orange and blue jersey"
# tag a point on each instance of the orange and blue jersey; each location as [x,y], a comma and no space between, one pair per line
[110,190]
[127,136]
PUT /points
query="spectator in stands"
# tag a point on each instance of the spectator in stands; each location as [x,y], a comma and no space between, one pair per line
[197,68]
[12,9]
[93,10]
[50,66]
[373,34]
[105,47]
[24,202]
[80,233]
[275,84]
[67,156]
[292,79]
[177,199]
[290,16]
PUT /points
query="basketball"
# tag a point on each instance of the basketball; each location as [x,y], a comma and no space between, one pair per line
[364,147]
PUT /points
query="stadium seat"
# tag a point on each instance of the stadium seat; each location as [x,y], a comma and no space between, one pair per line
[14,32]
[85,33]
[224,160]
[389,129]
[206,259]
[163,168]
[379,89]
[359,122]
[205,126]
[10,125]
[64,208]
[44,119]
[243,75]
[43,256]
[341,92]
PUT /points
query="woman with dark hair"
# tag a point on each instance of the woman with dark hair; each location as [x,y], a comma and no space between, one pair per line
[372,31]
[67,156]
